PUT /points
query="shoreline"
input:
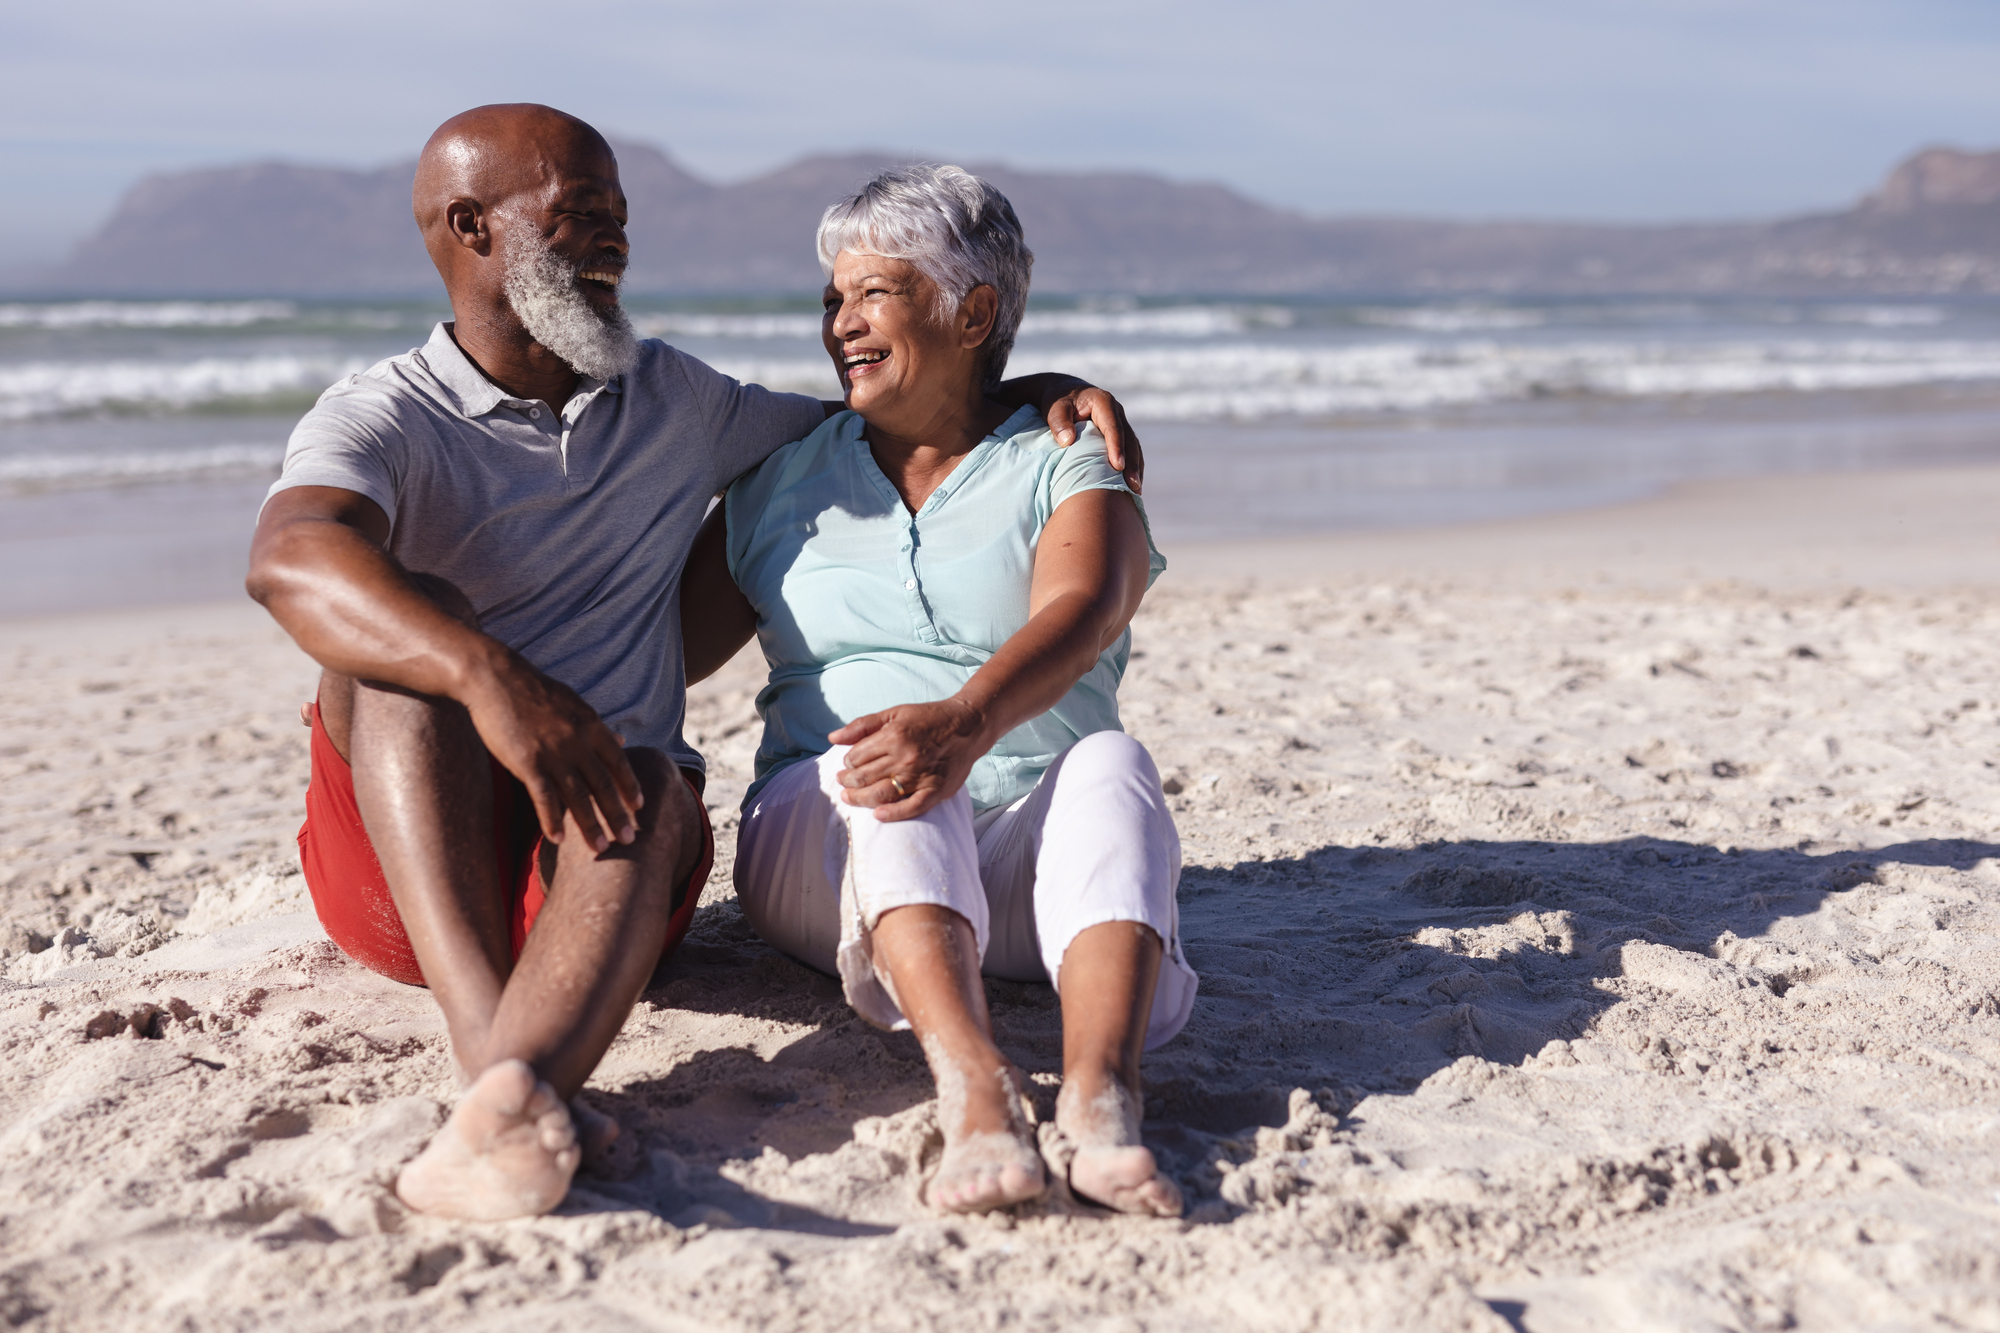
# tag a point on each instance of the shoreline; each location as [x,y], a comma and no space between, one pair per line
[1904,529]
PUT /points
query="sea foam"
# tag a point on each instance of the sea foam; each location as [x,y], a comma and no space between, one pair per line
[144,314]
[33,389]
[1184,321]
[1186,362]
[1252,380]
[46,471]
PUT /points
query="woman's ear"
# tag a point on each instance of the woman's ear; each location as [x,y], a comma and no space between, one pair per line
[976,315]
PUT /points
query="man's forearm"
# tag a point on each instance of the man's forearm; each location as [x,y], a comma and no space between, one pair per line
[716,618]
[1038,391]
[353,609]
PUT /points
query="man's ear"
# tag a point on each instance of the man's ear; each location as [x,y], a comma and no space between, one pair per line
[465,220]
[980,309]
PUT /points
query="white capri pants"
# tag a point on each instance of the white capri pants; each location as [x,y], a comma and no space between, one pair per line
[1093,842]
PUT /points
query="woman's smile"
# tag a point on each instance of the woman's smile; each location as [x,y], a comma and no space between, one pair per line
[908,365]
[859,361]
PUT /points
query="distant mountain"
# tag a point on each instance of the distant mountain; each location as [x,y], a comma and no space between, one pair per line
[276,229]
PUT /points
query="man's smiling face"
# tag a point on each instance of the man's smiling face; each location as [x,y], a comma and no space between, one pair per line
[580,215]
[563,248]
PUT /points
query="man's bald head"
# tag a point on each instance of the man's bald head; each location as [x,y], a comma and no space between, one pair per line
[523,215]
[494,154]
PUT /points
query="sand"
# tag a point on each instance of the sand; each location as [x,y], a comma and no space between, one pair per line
[1596,920]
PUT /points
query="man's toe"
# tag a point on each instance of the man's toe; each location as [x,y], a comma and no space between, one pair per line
[508,1088]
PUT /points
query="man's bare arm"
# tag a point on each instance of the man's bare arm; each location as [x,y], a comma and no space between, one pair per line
[716,618]
[1064,400]
[319,564]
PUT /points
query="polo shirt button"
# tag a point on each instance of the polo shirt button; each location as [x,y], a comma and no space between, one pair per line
[909,584]
[535,413]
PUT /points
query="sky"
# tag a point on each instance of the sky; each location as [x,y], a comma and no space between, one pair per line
[1642,110]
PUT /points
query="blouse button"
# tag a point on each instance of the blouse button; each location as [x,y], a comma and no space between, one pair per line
[909,584]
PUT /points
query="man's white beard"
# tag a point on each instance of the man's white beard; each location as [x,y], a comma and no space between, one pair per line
[548,297]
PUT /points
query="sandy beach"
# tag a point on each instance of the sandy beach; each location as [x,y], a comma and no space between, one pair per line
[1596,918]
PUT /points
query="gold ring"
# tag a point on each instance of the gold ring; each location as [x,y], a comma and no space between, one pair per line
[897,783]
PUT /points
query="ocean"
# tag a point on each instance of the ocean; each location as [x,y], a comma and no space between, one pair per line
[137,437]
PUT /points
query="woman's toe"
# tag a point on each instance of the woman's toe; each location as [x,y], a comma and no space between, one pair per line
[1126,1179]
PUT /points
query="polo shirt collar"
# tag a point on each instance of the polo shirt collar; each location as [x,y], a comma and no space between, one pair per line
[474,394]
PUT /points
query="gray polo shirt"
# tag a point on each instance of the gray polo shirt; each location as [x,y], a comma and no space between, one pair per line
[567,529]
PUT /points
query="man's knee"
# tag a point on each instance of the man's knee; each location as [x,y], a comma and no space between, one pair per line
[672,815]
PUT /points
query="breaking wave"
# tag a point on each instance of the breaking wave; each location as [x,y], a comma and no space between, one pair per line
[33,389]
[1237,379]
[144,314]
[1185,321]
[1452,319]
[1251,381]
[43,471]
[695,325]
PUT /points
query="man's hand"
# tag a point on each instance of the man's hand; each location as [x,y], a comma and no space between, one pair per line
[907,759]
[555,743]
[1086,402]
[318,565]
[1065,400]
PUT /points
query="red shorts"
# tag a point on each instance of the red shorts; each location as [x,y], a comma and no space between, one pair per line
[352,899]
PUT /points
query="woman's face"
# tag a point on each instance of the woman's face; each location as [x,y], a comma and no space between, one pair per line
[889,348]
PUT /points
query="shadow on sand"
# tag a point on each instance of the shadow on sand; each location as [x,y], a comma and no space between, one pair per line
[1361,970]
[1376,967]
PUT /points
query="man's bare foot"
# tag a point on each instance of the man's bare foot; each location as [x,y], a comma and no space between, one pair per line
[595,1131]
[607,1153]
[1112,1167]
[508,1150]
[990,1158]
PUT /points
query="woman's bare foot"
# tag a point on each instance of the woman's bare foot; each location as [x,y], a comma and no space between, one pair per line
[1111,1166]
[508,1150]
[990,1159]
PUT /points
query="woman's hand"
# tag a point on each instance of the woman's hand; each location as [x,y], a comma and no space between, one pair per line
[908,759]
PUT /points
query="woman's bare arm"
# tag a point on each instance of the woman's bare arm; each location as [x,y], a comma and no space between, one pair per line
[1090,575]
[716,618]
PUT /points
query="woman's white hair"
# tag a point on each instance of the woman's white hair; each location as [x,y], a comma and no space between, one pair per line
[956,230]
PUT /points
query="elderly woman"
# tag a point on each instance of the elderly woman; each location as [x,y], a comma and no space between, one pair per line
[943,788]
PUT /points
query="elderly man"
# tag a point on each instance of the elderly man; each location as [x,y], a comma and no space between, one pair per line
[480,542]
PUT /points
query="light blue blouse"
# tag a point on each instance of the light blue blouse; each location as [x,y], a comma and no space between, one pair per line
[862,605]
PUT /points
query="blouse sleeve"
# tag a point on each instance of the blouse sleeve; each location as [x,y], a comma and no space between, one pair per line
[1083,466]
